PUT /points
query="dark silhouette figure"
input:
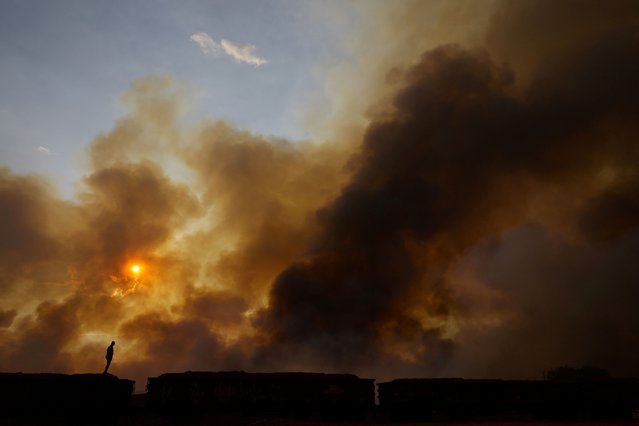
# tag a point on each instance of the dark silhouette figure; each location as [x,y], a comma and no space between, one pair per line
[109,357]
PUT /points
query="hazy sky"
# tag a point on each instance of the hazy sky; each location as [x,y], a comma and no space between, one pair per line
[63,65]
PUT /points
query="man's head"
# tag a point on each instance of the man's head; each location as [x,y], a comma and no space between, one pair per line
[112,343]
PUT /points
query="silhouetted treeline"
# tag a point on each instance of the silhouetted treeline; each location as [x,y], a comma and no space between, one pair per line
[574,374]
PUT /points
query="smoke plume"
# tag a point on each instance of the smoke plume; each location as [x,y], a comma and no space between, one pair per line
[464,156]
[483,223]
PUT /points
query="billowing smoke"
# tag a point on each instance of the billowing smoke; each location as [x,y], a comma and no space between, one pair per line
[466,155]
[485,224]
[209,213]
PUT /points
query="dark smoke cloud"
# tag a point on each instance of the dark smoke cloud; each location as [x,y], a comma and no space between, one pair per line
[532,35]
[131,210]
[220,308]
[265,191]
[485,226]
[360,273]
[453,166]
[569,303]
[30,215]
[42,340]
[209,247]
[608,216]
[7,317]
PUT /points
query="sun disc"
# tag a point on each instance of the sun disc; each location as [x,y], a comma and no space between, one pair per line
[135,269]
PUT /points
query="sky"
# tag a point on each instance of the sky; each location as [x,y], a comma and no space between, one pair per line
[65,64]
[392,189]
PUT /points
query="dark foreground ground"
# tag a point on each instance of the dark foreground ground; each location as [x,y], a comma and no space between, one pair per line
[137,415]
[307,399]
[274,421]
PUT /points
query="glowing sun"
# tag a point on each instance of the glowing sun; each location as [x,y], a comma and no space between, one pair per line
[136,269]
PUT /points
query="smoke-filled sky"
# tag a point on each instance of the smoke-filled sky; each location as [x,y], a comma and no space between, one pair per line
[394,189]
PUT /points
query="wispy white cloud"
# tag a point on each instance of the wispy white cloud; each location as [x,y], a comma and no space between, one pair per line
[43,150]
[206,43]
[242,52]
[238,51]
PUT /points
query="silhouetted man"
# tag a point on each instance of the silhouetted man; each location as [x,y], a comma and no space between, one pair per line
[109,356]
